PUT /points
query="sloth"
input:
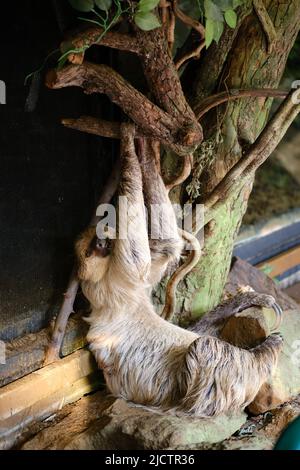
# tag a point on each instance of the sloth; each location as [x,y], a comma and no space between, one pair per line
[146,359]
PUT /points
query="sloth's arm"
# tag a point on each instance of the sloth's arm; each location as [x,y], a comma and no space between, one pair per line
[164,240]
[212,322]
[131,253]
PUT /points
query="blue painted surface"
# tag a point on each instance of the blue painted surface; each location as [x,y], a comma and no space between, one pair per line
[290,438]
[260,249]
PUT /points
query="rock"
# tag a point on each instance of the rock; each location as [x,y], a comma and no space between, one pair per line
[132,427]
[122,426]
[285,384]
[259,433]
[280,418]
[246,329]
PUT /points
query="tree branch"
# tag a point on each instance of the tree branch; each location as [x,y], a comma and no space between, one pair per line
[191,261]
[262,148]
[256,155]
[196,25]
[195,53]
[171,31]
[184,173]
[159,68]
[95,126]
[225,96]
[182,137]
[165,85]
[87,37]
[266,24]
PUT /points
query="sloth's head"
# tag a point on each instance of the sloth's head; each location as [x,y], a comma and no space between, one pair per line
[93,255]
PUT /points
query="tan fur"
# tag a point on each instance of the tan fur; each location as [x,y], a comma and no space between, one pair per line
[146,359]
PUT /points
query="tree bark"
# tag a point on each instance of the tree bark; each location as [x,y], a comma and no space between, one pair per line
[244,59]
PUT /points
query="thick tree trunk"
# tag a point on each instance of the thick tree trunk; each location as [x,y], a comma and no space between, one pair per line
[247,64]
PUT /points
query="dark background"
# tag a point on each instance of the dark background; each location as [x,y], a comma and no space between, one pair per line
[50,176]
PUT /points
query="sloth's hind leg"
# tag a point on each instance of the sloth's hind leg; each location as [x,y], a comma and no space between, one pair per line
[220,377]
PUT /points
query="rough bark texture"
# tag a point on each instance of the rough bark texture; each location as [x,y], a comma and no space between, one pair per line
[241,61]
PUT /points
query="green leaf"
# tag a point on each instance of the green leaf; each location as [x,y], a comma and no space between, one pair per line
[212,11]
[103,4]
[147,5]
[82,5]
[146,21]
[231,18]
[209,32]
[218,30]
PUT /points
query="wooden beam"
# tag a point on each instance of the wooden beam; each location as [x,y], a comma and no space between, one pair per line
[280,263]
[43,392]
[26,354]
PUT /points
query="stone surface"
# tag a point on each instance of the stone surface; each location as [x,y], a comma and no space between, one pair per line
[285,384]
[246,329]
[101,422]
[96,423]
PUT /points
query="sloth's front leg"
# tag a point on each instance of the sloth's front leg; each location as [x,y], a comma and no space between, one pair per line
[213,322]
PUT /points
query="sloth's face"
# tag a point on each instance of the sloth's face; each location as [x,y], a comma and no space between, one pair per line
[103,247]
[99,247]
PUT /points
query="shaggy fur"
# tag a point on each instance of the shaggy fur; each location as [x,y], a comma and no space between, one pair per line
[144,358]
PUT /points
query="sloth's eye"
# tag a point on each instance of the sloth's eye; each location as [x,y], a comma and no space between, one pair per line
[103,243]
[103,247]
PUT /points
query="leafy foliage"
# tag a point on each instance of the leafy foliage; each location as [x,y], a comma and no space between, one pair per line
[144,17]
[213,14]
[217,13]
[105,13]
[143,14]
[146,20]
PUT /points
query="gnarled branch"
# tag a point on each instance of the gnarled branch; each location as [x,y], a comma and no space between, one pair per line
[164,84]
[182,137]
[225,96]
[95,126]
[256,155]
[194,54]
[159,69]
[196,25]
[94,35]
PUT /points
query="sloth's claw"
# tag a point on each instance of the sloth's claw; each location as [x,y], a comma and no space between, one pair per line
[279,315]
